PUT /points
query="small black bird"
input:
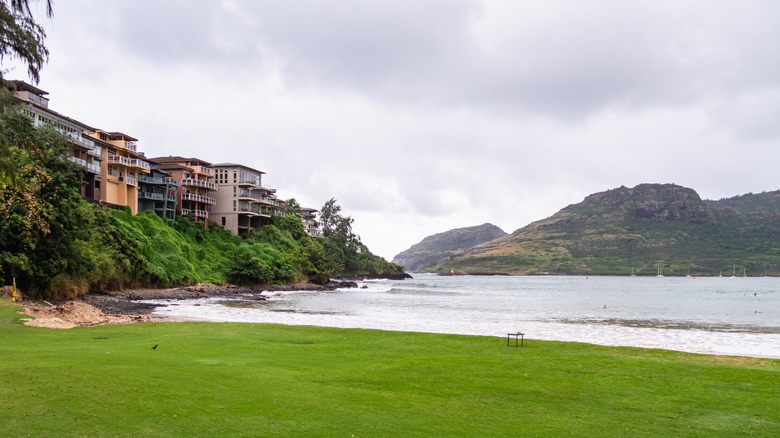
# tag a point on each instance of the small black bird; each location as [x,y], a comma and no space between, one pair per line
[155,347]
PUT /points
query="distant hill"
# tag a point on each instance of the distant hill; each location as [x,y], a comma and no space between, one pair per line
[438,247]
[750,203]
[647,227]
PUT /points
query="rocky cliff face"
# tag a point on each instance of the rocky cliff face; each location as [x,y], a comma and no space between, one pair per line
[440,246]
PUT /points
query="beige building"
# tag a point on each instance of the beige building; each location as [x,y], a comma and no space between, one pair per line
[197,190]
[123,165]
[242,199]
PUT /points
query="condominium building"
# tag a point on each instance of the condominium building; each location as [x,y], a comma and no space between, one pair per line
[123,165]
[84,150]
[242,200]
[158,192]
[309,219]
[197,190]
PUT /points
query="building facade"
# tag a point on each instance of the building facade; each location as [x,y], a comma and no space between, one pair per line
[123,166]
[197,189]
[242,200]
[83,149]
[158,192]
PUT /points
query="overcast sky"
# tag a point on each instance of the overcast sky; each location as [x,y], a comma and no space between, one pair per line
[421,116]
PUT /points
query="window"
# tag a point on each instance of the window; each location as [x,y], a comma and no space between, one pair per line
[223,221]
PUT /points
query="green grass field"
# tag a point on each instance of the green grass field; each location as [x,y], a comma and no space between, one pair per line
[225,379]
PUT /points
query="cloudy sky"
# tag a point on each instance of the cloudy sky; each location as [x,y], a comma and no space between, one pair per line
[421,116]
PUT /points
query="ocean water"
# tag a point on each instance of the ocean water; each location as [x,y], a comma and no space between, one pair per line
[730,316]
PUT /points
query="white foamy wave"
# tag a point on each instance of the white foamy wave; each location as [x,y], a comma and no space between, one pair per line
[702,316]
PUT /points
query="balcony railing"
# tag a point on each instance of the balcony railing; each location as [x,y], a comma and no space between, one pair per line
[130,145]
[131,180]
[198,183]
[158,180]
[132,162]
[196,213]
[78,161]
[154,196]
[243,193]
[94,167]
[206,170]
[97,151]
[198,198]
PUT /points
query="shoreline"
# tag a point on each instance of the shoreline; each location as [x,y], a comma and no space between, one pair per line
[121,307]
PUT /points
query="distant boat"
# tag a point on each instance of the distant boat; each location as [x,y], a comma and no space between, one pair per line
[734,272]
[632,272]
[688,275]
[660,274]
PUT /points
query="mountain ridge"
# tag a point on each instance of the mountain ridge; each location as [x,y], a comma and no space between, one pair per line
[437,247]
[644,228]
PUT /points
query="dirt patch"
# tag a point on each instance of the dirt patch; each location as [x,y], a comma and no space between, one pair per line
[73,314]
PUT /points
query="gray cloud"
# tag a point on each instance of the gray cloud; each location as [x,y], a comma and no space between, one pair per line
[429,115]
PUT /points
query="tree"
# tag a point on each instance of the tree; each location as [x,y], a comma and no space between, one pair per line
[21,37]
[291,206]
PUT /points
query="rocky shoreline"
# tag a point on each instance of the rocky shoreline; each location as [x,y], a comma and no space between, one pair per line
[123,307]
[126,302]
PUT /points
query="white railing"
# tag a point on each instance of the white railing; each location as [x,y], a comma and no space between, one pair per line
[135,162]
[198,183]
[196,213]
[95,167]
[198,198]
[131,180]
[78,161]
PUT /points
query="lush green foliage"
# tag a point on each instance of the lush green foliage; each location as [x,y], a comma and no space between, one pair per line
[57,245]
[344,249]
[209,379]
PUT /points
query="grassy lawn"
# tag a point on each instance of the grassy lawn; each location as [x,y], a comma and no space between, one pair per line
[226,379]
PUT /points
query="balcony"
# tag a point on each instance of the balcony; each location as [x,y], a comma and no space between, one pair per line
[206,170]
[129,162]
[243,193]
[146,179]
[78,161]
[131,180]
[198,183]
[198,198]
[97,151]
[196,213]
[94,167]
[130,145]
[153,196]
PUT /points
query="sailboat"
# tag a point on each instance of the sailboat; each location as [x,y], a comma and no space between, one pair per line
[632,272]
[660,270]
[734,272]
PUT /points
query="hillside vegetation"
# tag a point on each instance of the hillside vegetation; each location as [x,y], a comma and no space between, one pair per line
[438,247]
[647,227]
[56,245]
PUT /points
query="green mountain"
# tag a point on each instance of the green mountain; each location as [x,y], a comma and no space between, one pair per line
[645,228]
[750,203]
[438,247]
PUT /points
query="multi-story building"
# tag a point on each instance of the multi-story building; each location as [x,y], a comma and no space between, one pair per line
[309,219]
[84,150]
[197,190]
[158,192]
[242,200]
[123,165]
